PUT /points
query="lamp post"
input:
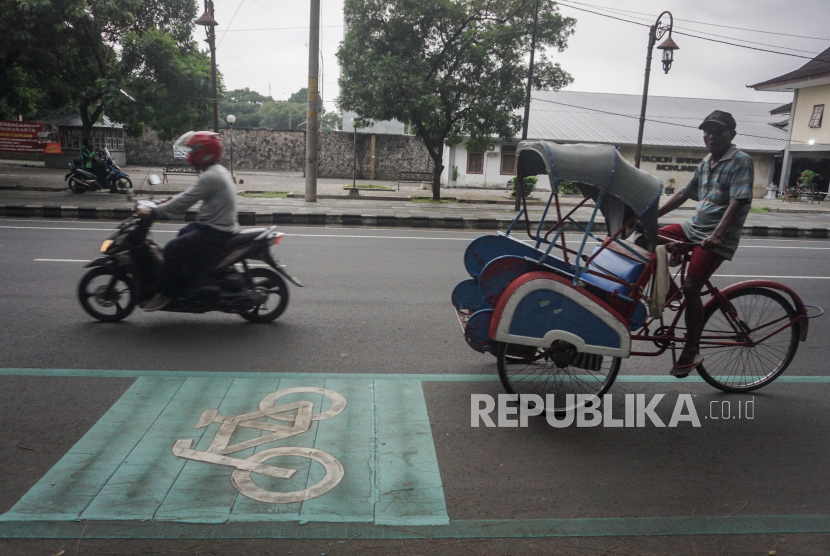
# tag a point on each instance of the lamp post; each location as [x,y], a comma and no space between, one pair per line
[231,120]
[655,33]
[210,24]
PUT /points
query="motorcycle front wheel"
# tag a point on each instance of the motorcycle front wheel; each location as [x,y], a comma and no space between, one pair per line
[105,295]
[270,283]
[76,186]
[123,183]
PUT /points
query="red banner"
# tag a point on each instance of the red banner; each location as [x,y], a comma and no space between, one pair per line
[29,137]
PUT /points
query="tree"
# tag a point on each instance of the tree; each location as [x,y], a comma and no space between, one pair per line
[332,121]
[453,68]
[94,53]
[245,105]
[289,114]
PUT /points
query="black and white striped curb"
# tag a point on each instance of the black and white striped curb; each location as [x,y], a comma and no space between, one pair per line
[360,220]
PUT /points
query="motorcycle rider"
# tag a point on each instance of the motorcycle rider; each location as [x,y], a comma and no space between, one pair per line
[94,165]
[215,224]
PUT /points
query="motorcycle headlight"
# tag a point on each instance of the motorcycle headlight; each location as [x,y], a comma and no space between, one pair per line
[106,245]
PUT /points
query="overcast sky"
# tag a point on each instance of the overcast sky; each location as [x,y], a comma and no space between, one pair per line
[604,55]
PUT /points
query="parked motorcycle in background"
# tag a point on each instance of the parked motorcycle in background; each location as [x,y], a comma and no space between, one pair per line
[243,279]
[81,180]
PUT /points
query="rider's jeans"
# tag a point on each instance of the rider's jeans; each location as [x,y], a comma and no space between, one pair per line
[185,255]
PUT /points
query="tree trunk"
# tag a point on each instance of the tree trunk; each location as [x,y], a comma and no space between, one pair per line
[437,169]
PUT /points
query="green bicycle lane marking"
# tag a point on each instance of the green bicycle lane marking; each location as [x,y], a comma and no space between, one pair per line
[133,486]
[126,467]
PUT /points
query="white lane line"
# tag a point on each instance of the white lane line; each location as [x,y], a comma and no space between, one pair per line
[715,276]
[156,230]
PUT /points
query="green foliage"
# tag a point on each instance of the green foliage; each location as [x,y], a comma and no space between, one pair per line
[244,104]
[81,54]
[809,180]
[454,173]
[529,185]
[568,188]
[451,68]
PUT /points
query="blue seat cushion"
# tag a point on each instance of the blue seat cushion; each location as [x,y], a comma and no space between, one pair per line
[609,262]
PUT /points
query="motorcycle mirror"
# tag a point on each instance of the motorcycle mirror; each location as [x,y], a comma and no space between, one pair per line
[153,179]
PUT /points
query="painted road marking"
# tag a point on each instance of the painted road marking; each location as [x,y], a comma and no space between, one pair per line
[354,236]
[98,373]
[219,449]
[55,507]
[286,461]
[714,276]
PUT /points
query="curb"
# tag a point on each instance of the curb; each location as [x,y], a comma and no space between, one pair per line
[359,220]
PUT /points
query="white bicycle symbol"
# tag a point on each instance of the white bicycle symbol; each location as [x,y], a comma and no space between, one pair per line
[219,449]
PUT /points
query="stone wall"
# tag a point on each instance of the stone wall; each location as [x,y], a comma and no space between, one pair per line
[284,150]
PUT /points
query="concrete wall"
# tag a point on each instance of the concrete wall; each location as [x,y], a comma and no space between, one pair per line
[284,150]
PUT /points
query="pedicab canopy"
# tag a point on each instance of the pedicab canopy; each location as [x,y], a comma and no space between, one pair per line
[595,169]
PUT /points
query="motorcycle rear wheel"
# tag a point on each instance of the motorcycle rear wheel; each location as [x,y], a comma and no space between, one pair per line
[76,186]
[277,291]
[112,307]
[123,184]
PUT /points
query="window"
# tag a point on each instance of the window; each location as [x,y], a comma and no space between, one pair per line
[475,162]
[508,160]
[818,112]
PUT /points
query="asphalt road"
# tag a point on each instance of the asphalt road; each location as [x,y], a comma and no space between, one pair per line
[377,301]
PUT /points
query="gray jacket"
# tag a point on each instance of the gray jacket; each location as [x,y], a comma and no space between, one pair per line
[216,190]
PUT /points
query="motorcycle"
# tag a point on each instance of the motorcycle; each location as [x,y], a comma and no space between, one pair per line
[243,278]
[81,180]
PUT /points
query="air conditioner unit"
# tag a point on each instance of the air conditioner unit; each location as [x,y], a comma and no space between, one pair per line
[493,148]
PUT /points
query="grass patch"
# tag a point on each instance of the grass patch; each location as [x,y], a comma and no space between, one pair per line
[369,186]
[759,210]
[431,201]
[265,194]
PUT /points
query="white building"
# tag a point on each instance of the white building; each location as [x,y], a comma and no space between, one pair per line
[808,145]
[672,143]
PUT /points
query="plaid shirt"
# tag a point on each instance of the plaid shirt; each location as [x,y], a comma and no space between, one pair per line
[714,189]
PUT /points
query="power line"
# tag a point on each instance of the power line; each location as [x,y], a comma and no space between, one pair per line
[706,23]
[231,23]
[650,120]
[279,29]
[688,34]
[650,19]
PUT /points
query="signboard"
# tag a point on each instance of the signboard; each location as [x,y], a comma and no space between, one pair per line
[29,137]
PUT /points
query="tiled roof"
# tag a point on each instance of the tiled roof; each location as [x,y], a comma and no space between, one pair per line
[574,117]
[817,67]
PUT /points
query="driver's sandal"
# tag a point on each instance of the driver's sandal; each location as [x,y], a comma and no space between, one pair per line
[682,371]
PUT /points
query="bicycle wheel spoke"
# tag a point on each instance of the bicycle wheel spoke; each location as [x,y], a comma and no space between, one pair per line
[760,312]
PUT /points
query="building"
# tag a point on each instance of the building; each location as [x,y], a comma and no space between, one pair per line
[672,143]
[105,134]
[808,145]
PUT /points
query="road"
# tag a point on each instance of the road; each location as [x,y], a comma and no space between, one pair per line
[375,312]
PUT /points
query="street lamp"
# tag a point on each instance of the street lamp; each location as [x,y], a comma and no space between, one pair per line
[231,119]
[655,33]
[210,24]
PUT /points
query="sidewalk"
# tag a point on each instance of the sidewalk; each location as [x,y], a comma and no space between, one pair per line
[475,209]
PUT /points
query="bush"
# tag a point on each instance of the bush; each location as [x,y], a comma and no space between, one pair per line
[568,188]
[530,185]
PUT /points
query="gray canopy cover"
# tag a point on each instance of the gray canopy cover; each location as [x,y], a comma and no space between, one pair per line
[597,168]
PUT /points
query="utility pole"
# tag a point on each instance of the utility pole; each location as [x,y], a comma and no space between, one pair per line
[311,132]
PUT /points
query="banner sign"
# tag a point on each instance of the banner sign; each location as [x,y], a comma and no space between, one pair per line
[29,137]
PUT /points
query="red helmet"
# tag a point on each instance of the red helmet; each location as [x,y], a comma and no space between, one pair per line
[202,147]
